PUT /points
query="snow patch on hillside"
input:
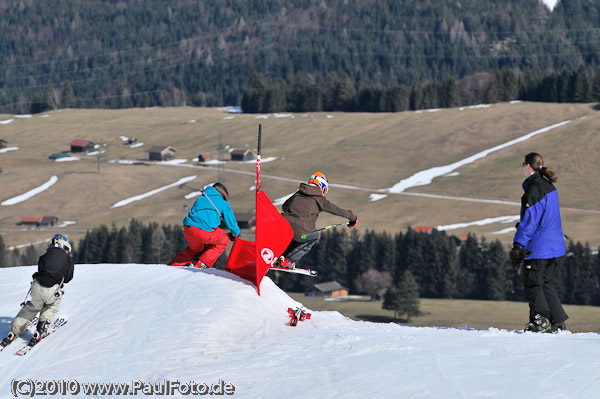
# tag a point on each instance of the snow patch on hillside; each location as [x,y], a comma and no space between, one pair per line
[152,192]
[31,193]
[550,4]
[425,177]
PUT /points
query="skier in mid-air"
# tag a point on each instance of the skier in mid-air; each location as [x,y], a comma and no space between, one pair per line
[206,241]
[301,211]
[55,268]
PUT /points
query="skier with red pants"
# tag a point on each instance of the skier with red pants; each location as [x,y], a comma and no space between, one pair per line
[206,241]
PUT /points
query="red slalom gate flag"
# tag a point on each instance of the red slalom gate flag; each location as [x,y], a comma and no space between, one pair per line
[252,260]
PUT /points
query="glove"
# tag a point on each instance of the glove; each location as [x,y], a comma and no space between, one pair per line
[518,253]
[231,237]
[352,223]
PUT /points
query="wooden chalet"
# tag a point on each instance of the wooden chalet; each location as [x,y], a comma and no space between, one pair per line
[49,221]
[31,220]
[328,290]
[161,153]
[242,155]
[39,221]
[81,145]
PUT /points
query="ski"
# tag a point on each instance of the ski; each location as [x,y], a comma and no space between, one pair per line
[58,323]
[32,323]
[298,314]
[306,272]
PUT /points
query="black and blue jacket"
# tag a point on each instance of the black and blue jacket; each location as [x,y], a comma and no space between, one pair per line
[540,227]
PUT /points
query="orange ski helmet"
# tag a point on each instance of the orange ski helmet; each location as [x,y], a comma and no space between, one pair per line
[318,179]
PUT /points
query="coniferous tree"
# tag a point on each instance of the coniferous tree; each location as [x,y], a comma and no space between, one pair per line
[304,95]
[595,93]
[562,87]
[403,298]
[391,300]
[68,97]
[339,94]
[408,300]
[30,257]
[3,255]
[416,98]
[397,99]
[471,269]
[450,96]
[275,99]
[579,281]
[496,269]
[335,257]
[255,93]
[580,86]
[596,280]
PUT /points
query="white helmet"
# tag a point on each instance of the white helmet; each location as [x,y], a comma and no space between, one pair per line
[60,241]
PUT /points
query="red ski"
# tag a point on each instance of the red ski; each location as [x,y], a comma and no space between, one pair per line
[298,314]
[306,272]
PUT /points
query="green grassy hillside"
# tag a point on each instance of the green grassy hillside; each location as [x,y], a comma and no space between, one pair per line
[361,154]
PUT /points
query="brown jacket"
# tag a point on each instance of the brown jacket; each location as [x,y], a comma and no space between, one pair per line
[302,209]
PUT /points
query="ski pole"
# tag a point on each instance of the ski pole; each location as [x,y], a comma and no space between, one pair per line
[26,295]
[325,228]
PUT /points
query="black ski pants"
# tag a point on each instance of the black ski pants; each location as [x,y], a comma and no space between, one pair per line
[538,280]
[299,246]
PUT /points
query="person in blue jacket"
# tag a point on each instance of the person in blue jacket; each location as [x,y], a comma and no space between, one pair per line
[206,240]
[538,242]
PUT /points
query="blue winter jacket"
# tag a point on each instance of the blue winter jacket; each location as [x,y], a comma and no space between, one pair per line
[540,227]
[203,214]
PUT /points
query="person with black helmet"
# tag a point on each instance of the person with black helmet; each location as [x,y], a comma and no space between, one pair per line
[301,211]
[206,241]
[55,268]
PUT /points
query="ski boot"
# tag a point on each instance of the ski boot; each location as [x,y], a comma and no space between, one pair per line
[40,333]
[8,339]
[539,324]
[284,263]
[37,337]
[42,328]
[558,327]
[200,265]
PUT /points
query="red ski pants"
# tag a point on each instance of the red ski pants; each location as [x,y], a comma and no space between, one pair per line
[203,245]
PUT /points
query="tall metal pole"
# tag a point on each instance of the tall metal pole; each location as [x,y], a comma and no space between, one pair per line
[221,164]
[258,159]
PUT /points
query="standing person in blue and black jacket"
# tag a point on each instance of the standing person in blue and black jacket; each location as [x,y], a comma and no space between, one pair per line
[538,242]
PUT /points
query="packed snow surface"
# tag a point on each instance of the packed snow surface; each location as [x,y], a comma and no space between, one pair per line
[153,324]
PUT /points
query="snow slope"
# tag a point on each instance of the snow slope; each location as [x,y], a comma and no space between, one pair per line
[142,324]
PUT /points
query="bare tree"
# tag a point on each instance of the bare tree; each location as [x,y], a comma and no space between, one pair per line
[54,98]
[374,283]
